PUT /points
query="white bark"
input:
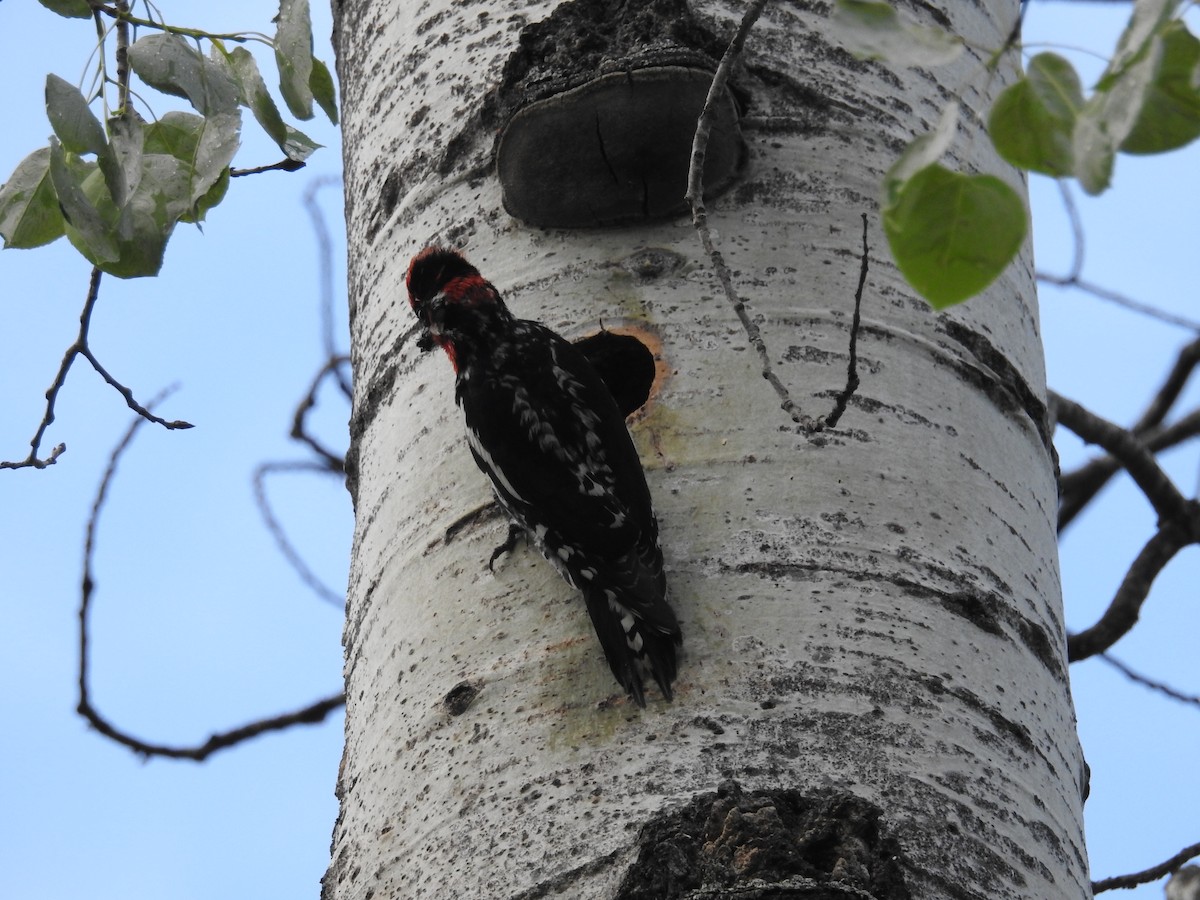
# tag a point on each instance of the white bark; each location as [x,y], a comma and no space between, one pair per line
[874,611]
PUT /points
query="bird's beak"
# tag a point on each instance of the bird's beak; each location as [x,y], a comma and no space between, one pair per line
[430,326]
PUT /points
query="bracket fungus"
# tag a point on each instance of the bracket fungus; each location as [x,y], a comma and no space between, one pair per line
[615,149]
[596,109]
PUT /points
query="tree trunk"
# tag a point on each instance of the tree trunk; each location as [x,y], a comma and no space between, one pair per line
[872,695]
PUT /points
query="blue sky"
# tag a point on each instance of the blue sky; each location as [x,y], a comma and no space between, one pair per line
[199,625]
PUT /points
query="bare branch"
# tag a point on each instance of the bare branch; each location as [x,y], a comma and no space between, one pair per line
[1074,278]
[1152,874]
[311,714]
[289,552]
[695,198]
[1179,525]
[1079,487]
[1120,299]
[299,432]
[1165,689]
[1172,387]
[325,273]
[1132,454]
[1122,613]
[80,348]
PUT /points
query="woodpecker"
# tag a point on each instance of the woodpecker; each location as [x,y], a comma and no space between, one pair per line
[544,428]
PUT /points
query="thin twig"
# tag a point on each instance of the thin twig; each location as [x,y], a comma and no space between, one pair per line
[315,584]
[125,392]
[333,462]
[325,272]
[80,348]
[1172,387]
[1119,299]
[122,57]
[695,197]
[59,380]
[1077,233]
[101,78]
[843,398]
[284,165]
[1152,874]
[1074,277]
[1165,689]
[121,13]
[311,714]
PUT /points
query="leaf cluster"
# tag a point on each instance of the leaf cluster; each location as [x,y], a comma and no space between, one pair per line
[952,234]
[117,188]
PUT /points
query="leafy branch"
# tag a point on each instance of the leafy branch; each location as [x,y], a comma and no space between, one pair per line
[124,15]
[952,234]
[117,189]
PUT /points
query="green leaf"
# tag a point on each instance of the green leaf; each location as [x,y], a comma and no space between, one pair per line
[323,90]
[29,213]
[1148,19]
[876,31]
[205,147]
[1094,149]
[78,129]
[173,170]
[299,146]
[1032,122]
[121,161]
[1109,115]
[922,152]
[175,134]
[211,198]
[952,234]
[147,221]
[215,150]
[71,9]
[86,228]
[1170,113]
[141,228]
[254,95]
[293,55]
[168,63]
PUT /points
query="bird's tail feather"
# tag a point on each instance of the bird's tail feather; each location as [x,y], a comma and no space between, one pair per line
[634,643]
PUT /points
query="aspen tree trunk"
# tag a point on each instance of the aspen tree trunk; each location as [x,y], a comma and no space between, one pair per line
[872,696]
